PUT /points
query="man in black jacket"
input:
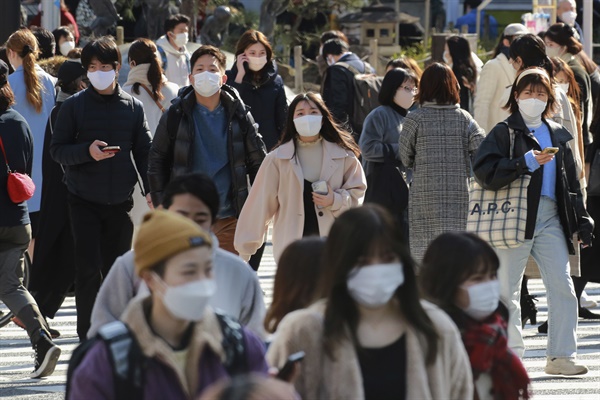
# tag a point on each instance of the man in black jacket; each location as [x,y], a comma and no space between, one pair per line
[208,129]
[100,182]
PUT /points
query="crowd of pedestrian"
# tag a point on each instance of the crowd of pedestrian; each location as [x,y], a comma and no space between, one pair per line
[154,199]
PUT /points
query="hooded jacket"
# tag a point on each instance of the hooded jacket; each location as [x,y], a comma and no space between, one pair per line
[493,170]
[266,99]
[171,157]
[178,62]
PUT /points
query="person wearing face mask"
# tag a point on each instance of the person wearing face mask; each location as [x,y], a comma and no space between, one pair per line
[555,212]
[178,333]
[304,183]
[437,142]
[100,183]
[457,55]
[566,11]
[209,129]
[370,337]
[65,42]
[254,75]
[383,127]
[173,52]
[459,275]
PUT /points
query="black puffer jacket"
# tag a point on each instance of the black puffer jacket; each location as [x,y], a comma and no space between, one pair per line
[494,170]
[171,157]
[118,120]
[266,99]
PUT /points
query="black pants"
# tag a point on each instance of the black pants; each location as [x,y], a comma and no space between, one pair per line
[101,233]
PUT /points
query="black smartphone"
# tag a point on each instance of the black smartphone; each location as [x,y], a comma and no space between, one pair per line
[286,371]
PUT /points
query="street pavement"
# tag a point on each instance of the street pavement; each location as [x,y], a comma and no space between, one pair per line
[16,355]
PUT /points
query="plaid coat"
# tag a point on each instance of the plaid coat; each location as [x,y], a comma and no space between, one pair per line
[437,142]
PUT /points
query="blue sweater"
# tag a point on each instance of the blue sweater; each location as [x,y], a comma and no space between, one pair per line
[549,169]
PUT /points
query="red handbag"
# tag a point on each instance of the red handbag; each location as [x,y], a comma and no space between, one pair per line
[20,186]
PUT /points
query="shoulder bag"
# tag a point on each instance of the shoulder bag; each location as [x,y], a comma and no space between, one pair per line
[20,186]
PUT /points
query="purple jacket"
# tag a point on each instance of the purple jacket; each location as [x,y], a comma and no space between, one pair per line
[93,378]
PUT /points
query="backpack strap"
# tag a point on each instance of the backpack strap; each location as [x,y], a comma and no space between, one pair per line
[233,344]
[349,67]
[163,56]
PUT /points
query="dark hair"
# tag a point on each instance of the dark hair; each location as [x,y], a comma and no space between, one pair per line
[574,92]
[175,20]
[4,57]
[438,84]
[211,50]
[199,185]
[500,44]
[159,268]
[330,130]
[328,35]
[298,269]
[251,37]
[357,233]
[406,63]
[585,60]
[143,51]
[564,35]
[75,53]
[532,51]
[59,33]
[392,80]
[46,42]
[462,62]
[7,97]
[535,81]
[104,49]
[451,259]
[335,47]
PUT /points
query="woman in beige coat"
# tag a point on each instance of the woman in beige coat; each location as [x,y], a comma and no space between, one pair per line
[371,337]
[303,184]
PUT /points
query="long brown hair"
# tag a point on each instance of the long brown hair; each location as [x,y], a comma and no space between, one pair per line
[330,131]
[23,43]
[535,81]
[357,233]
[574,93]
[143,51]
[251,37]
[298,269]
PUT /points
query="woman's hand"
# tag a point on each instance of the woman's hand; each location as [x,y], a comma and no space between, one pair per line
[240,60]
[542,158]
[323,200]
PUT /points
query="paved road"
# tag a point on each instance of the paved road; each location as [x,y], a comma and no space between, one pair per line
[16,361]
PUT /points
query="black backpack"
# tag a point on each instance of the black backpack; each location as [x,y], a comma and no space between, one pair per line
[129,363]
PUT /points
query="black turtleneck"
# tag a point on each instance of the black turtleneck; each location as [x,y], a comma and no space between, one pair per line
[398,109]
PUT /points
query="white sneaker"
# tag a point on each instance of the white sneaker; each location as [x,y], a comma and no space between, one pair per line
[586,302]
[564,366]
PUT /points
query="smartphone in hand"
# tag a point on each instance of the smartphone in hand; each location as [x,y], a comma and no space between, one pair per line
[111,149]
[550,150]
[320,187]
[285,373]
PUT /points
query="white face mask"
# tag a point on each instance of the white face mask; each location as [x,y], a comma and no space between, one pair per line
[403,98]
[374,285]
[483,299]
[188,301]
[181,39]
[101,80]
[556,51]
[66,47]
[257,63]
[330,60]
[532,108]
[564,87]
[308,125]
[207,83]
[569,17]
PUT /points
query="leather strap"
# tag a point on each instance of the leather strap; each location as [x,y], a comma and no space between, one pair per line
[162,109]
[4,153]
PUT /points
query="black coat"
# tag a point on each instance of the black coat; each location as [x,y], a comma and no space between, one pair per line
[266,100]
[118,120]
[169,159]
[493,170]
[18,145]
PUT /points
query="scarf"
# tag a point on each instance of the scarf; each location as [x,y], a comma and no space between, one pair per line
[486,344]
[139,74]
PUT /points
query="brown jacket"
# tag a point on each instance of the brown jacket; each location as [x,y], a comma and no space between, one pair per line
[449,377]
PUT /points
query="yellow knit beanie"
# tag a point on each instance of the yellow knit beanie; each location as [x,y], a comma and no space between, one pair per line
[164,234]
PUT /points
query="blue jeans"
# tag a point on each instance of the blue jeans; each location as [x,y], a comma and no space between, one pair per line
[549,249]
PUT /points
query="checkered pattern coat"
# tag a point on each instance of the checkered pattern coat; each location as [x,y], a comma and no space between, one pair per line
[437,142]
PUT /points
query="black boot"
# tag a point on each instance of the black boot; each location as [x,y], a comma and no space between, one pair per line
[528,309]
[587,314]
[543,328]
[46,354]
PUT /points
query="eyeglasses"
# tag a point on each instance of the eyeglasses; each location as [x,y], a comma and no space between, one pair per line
[413,90]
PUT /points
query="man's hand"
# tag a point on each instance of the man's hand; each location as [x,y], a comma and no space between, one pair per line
[96,151]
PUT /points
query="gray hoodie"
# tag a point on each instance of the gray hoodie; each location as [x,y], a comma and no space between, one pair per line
[239,293]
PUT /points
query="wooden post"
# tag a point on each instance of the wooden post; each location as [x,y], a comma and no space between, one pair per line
[374,55]
[298,76]
[120,35]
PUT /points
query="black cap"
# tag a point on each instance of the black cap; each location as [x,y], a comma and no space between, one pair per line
[3,73]
[69,71]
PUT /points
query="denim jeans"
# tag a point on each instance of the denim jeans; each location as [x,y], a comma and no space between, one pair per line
[549,249]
